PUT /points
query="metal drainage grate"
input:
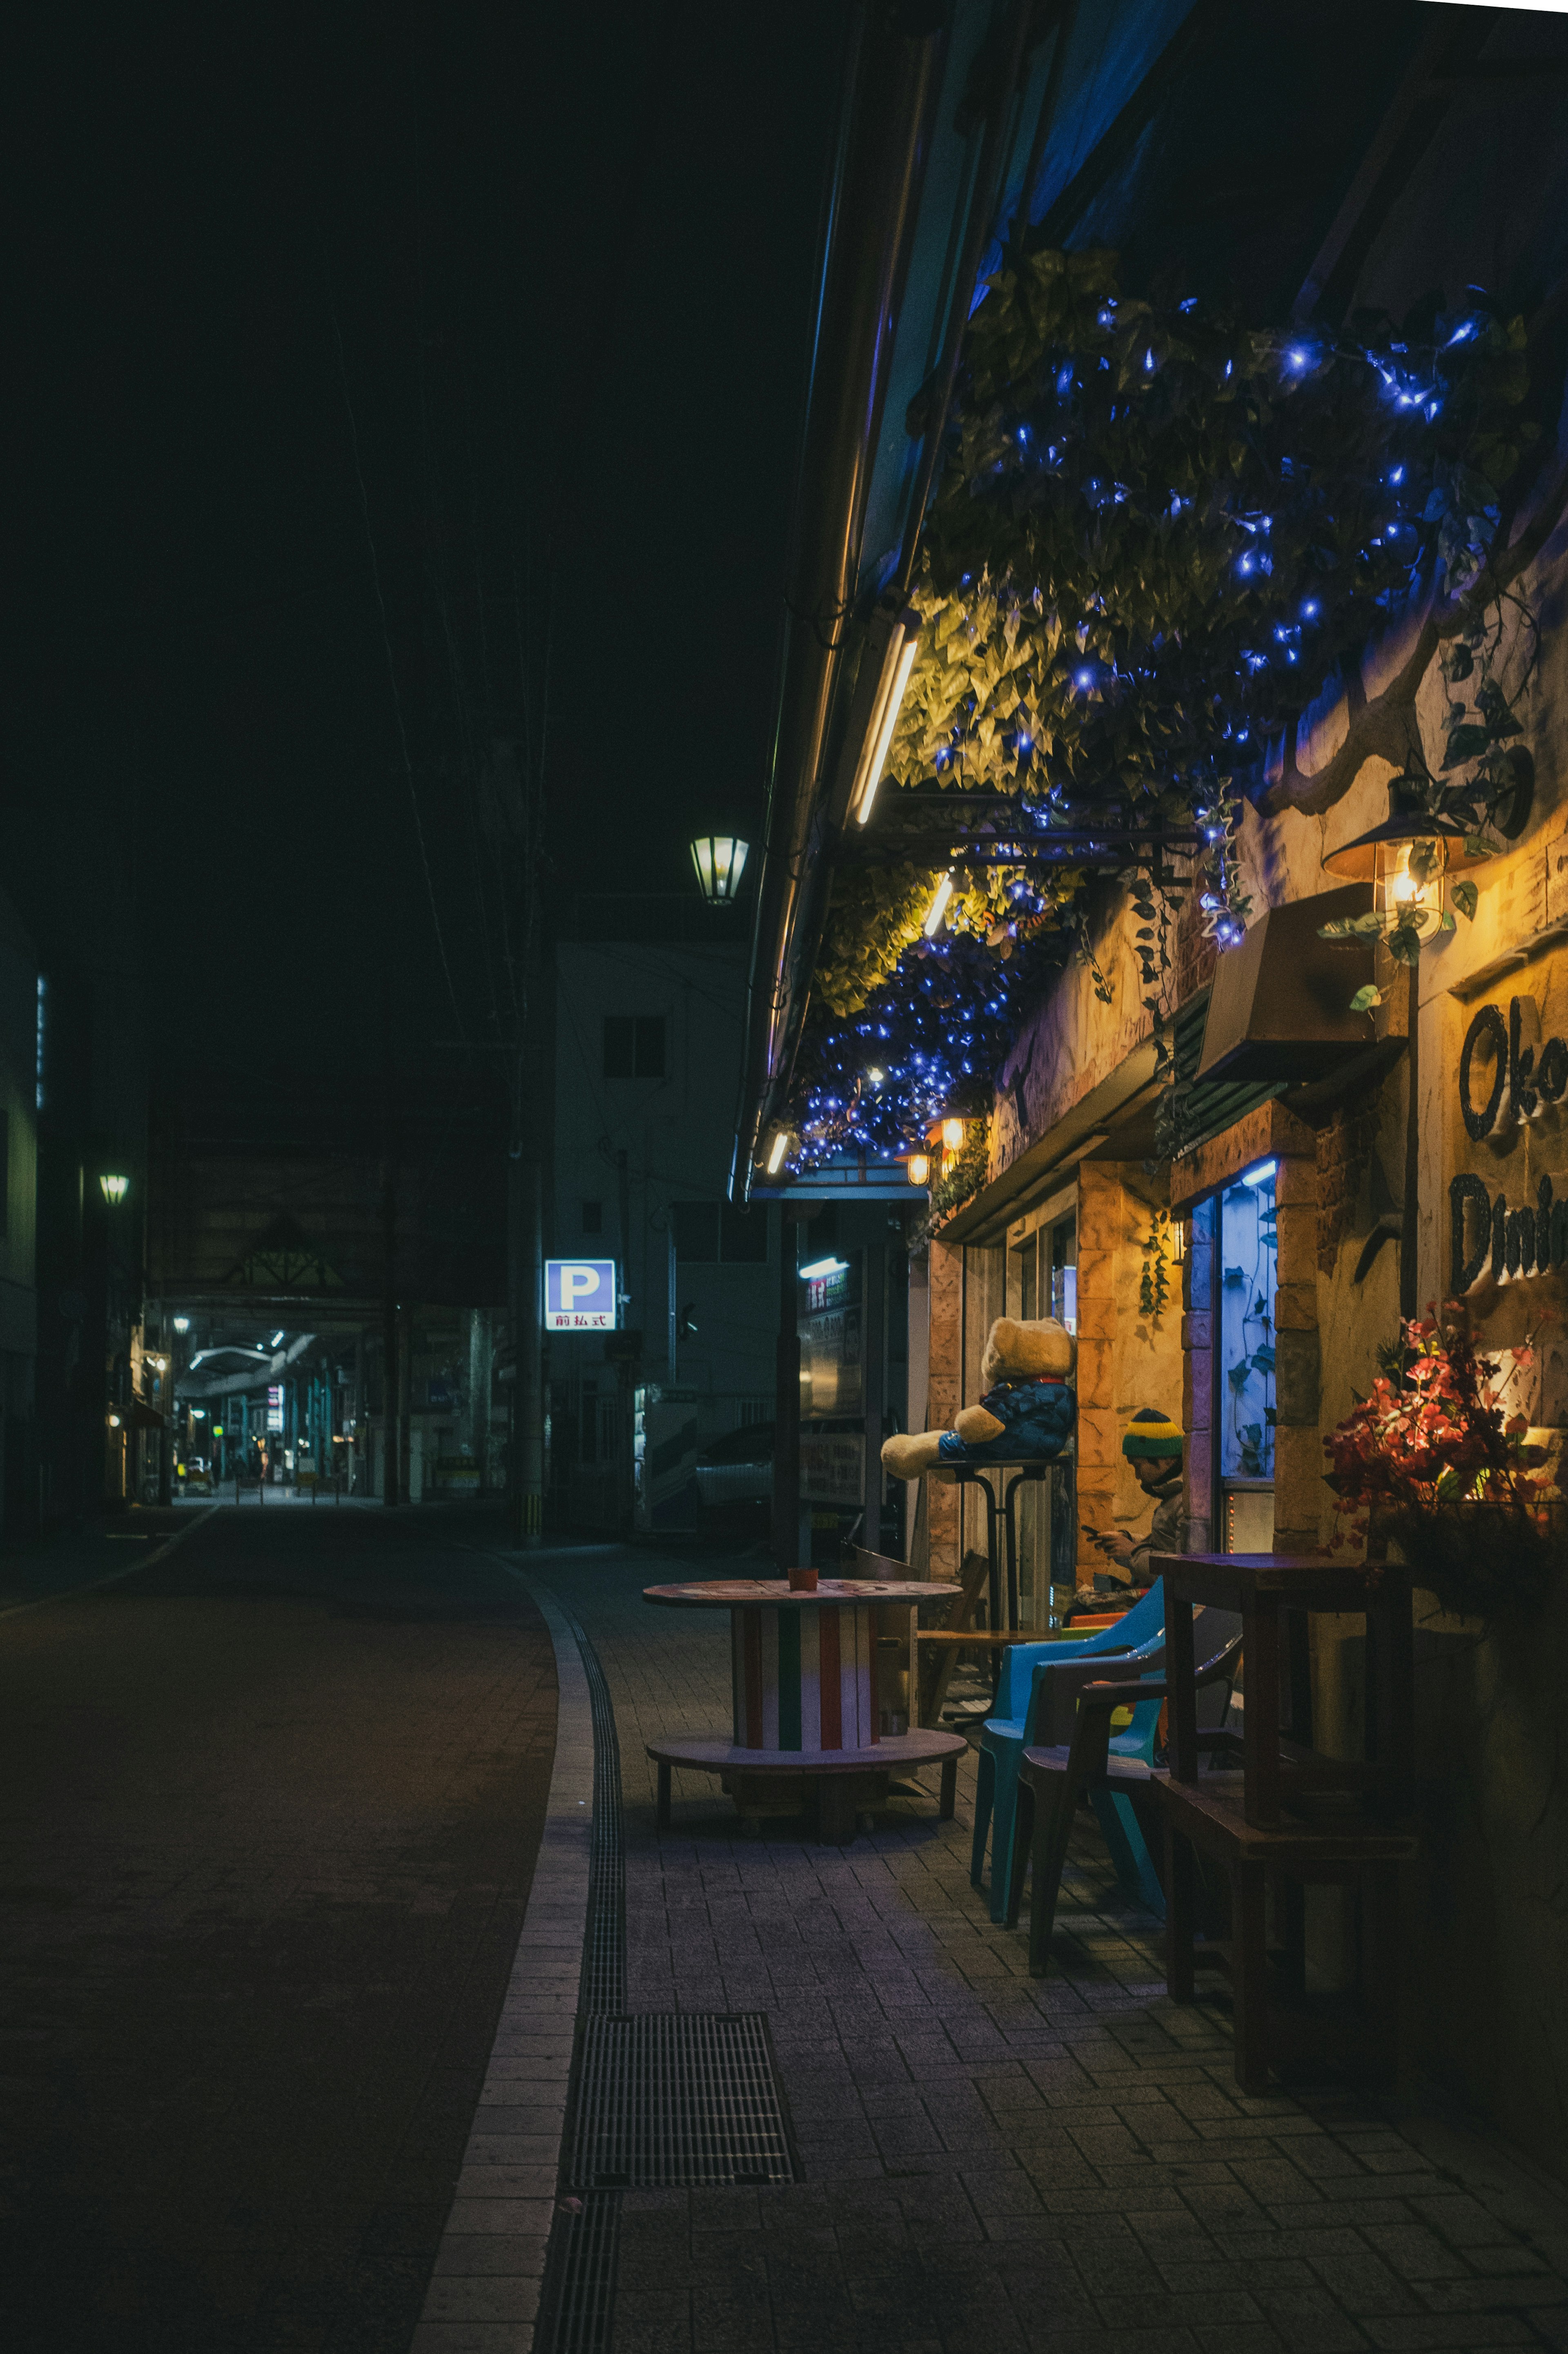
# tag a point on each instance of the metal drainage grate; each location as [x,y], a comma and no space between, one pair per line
[677,2097]
[576,2303]
[603,1983]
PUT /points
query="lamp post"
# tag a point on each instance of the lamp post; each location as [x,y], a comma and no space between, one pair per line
[1405,859]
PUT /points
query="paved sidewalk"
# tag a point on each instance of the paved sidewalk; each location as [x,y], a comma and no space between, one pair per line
[994,2163]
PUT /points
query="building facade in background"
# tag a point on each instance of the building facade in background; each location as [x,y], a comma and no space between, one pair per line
[647,1052]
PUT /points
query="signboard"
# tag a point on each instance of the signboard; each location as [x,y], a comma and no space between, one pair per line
[579,1295]
[275,1407]
[831,1381]
[833,1468]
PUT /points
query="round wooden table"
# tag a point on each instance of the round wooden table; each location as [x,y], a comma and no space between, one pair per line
[804,1696]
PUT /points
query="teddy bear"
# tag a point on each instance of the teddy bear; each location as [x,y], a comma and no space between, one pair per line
[1026,1414]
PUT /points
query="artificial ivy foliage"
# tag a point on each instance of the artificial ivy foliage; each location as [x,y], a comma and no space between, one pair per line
[1159,531]
[1154,1280]
[962,1176]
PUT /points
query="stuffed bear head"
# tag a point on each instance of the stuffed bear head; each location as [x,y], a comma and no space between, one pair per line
[1017,1352]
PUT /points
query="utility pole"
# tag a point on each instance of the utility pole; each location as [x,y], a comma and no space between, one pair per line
[525,1271]
[391,1445]
[531,1127]
[786,1403]
[167,1400]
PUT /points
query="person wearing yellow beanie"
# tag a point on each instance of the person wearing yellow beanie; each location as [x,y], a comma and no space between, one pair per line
[1153,1446]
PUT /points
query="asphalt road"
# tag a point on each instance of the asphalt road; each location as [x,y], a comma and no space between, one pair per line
[269,1809]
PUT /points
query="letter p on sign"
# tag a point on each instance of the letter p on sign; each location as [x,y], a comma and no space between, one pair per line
[579,1295]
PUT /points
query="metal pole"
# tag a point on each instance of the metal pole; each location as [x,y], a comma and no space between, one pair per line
[787,1405]
[389,1341]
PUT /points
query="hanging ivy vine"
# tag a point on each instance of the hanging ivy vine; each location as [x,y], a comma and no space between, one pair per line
[1160,532]
[1154,1280]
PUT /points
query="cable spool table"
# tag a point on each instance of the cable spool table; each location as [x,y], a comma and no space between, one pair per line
[804,1687]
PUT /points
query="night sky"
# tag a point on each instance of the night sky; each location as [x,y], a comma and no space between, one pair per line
[551,270]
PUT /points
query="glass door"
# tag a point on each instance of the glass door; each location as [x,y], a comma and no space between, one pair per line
[1245,1361]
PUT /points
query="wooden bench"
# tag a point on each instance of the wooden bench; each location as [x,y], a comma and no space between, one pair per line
[846,1782]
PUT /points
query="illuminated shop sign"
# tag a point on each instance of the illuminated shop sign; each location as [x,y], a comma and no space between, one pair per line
[1529,1075]
[579,1295]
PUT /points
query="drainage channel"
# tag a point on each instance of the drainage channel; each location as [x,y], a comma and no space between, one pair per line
[658,2100]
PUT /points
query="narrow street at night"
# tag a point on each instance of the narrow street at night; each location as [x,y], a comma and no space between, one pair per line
[268,1809]
[784,1179]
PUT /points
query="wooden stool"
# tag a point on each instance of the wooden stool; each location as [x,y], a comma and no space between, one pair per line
[1263,1587]
[1208,1815]
[1002,1601]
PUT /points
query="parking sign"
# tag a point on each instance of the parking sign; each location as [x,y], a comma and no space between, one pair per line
[579,1295]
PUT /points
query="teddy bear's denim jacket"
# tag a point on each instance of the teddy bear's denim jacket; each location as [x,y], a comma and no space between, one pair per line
[1037,1414]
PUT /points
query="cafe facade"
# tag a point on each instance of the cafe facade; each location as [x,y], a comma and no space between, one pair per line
[1234,1221]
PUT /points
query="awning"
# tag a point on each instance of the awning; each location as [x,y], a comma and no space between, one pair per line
[1279,1008]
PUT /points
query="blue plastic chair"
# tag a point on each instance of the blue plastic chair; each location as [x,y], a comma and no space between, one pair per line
[1106,1768]
[1137,1637]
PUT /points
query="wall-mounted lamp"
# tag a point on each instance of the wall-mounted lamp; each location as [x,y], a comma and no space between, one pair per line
[919,1167]
[1405,859]
[114,1189]
[952,1135]
[777,1149]
[892,678]
[182,1323]
[829,1265]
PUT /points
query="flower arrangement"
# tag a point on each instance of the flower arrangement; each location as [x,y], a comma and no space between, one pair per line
[1431,1458]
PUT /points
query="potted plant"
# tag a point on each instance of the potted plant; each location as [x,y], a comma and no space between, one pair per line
[1432,1460]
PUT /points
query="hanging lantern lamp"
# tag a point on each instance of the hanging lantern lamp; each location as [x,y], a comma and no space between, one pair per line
[720,861]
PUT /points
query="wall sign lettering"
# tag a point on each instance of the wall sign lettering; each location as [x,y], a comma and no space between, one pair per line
[1527,1076]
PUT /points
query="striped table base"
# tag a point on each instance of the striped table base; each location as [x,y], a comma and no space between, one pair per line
[804,1678]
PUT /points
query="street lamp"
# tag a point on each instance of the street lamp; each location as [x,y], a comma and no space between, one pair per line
[720,861]
[182,1323]
[114,1189]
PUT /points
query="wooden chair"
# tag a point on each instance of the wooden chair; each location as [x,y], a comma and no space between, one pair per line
[1105,1768]
[936,1660]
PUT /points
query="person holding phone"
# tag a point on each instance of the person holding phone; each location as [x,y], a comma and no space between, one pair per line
[1153,1446]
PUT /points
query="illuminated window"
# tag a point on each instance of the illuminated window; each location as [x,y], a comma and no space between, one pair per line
[1244,1360]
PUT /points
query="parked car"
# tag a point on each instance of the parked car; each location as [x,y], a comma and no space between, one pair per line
[738,1467]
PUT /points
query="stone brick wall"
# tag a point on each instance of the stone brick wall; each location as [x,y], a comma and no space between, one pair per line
[1100,1229]
[1344,1148]
[1125,1359]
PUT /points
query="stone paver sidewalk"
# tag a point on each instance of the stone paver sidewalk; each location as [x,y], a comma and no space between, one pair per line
[996,2163]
